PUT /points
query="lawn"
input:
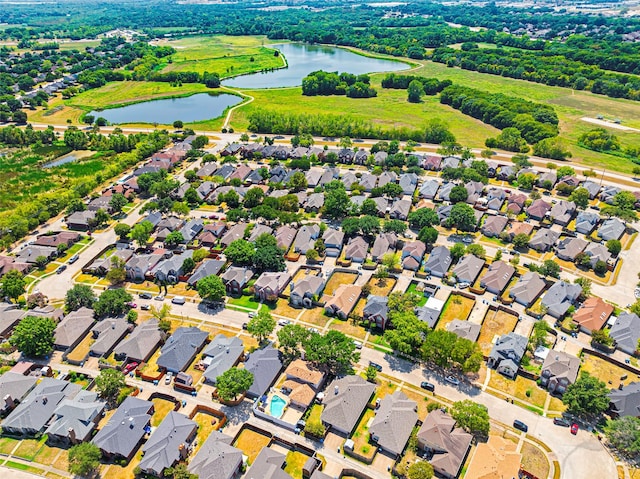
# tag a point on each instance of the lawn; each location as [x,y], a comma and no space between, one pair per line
[295,462]
[361,435]
[413,288]
[384,388]
[495,323]
[248,302]
[23,467]
[381,287]
[339,278]
[347,327]
[456,307]
[302,272]
[534,460]
[315,316]
[283,309]
[606,371]
[421,398]
[151,367]
[315,413]
[127,472]
[162,407]
[47,454]
[195,373]
[7,444]
[519,388]
[251,443]
[82,349]
[29,448]
[62,461]
[207,423]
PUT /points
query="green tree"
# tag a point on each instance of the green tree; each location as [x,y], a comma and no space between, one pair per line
[112,302]
[428,235]
[600,268]
[415,90]
[461,217]
[337,204]
[312,255]
[33,336]
[585,284]
[458,194]
[291,340]
[580,196]
[117,202]
[476,250]
[588,397]
[553,148]
[79,296]
[188,265]
[539,335]
[423,217]
[13,284]
[253,197]
[391,260]
[261,325]
[200,254]
[178,124]
[521,241]
[614,246]
[395,226]
[550,268]
[457,251]
[233,382]
[180,471]
[211,288]
[174,238]
[297,182]
[102,217]
[471,416]
[240,252]
[122,230]
[41,261]
[141,233]
[509,139]
[84,459]
[420,470]
[109,382]
[599,139]
[334,350]
[371,374]
[624,434]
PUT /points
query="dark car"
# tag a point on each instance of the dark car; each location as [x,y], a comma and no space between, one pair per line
[559,421]
[520,425]
[244,325]
[61,268]
[145,295]
[428,386]
[375,366]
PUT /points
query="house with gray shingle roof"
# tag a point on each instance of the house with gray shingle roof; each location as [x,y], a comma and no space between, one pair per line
[412,255]
[450,162]
[217,458]
[608,193]
[409,183]
[562,212]
[376,311]
[527,289]
[383,244]
[494,225]
[586,222]
[210,267]
[592,187]
[348,179]
[516,202]
[306,237]
[169,444]
[368,181]
[549,177]
[387,177]
[269,285]
[122,435]
[625,401]
[474,191]
[181,348]
[429,189]
[380,157]
[626,332]
[560,297]
[430,312]
[611,228]
[400,209]
[107,333]
[443,213]
[140,264]
[506,172]
[75,419]
[235,278]
[356,249]
[393,423]
[506,354]
[314,202]
[73,328]
[313,177]
[302,292]
[36,409]
[497,277]
[333,240]
[464,329]
[257,230]
[495,198]
[445,190]
[285,235]
[559,370]
[597,252]
[169,270]
[13,389]
[382,205]
[265,364]
[438,262]
[544,239]
[468,268]
[344,401]
[220,355]
[569,248]
[141,343]
[234,233]
[269,464]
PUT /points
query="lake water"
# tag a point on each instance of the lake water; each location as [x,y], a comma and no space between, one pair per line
[304,59]
[202,106]
[61,161]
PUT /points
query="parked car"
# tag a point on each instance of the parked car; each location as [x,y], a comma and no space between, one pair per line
[145,295]
[61,268]
[357,344]
[179,300]
[452,379]
[160,297]
[132,305]
[130,367]
[574,428]
[314,330]
[520,425]
[244,325]
[145,307]
[560,421]
[73,259]
[168,377]
[428,386]
[252,315]
[284,322]
[375,366]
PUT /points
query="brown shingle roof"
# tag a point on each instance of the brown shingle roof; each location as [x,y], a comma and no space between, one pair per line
[593,314]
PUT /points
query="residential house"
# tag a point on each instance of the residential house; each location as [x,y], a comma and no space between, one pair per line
[430,312]
[333,240]
[465,329]
[181,348]
[569,248]
[506,354]
[168,445]
[376,311]
[31,254]
[314,202]
[626,332]
[100,203]
[306,237]
[548,179]
[468,269]
[265,364]
[356,249]
[562,212]
[409,183]
[303,291]
[544,239]
[429,189]
[432,162]
[348,179]
[269,464]
[191,229]
[474,191]
[32,415]
[102,266]
[608,193]
[220,355]
[412,255]
[443,213]
[400,209]
[360,157]
[446,444]
[285,235]
[211,267]
[241,172]
[497,277]
[141,343]
[495,198]
[234,233]
[343,301]
[592,315]
[207,170]
[598,252]
[586,222]
[445,190]
[611,228]
[170,270]
[625,401]
[269,285]
[313,177]
[592,187]
[10,316]
[140,265]
[368,181]
[258,230]
[235,279]
[124,432]
[303,381]
[538,209]
[382,205]
[345,155]
[393,423]
[559,370]
[75,419]
[506,172]
[497,458]
[516,202]
[107,333]
[450,162]
[217,458]
[527,289]
[54,240]
[387,177]
[494,225]
[438,262]
[383,244]
[73,328]
[344,402]
[9,263]
[14,387]
[225,171]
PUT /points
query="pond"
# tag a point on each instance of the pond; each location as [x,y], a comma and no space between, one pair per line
[304,58]
[202,106]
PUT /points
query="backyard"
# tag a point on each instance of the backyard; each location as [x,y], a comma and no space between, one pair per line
[360,437]
[415,288]
[339,278]
[495,323]
[606,371]
[295,463]
[81,350]
[251,443]
[207,423]
[162,407]
[381,287]
[456,307]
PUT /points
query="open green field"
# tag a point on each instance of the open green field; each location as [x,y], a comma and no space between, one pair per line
[222,54]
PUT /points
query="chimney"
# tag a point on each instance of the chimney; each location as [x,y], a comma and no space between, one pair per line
[182,450]
[131,423]
[72,435]
[8,402]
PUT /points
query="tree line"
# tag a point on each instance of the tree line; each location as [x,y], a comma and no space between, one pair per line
[431,86]
[334,83]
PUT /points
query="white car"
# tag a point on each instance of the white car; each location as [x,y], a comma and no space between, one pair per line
[252,315]
[636,293]
[284,322]
[453,380]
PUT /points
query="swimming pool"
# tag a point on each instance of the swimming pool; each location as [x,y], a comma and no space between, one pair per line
[276,406]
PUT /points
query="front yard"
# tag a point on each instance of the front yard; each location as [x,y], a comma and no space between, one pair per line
[534,460]
[524,389]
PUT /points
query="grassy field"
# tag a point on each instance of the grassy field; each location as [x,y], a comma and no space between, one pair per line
[519,388]
[495,323]
[361,435]
[222,54]
[162,407]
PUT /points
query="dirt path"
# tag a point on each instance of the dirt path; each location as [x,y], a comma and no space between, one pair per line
[608,124]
